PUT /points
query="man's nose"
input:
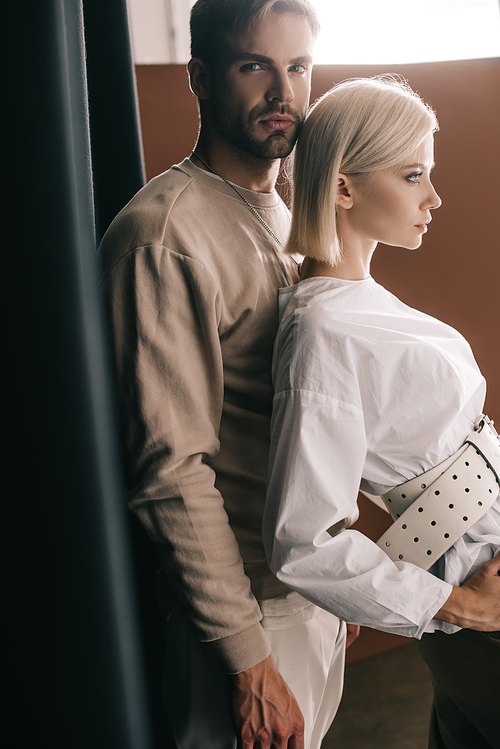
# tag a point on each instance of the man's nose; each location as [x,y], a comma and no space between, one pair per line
[280,88]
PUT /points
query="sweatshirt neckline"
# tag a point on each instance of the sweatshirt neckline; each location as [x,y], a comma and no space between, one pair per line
[256,199]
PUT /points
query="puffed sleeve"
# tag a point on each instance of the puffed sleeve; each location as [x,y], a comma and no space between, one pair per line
[318,451]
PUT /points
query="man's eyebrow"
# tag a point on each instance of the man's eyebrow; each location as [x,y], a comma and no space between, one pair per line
[306,60]
[250,57]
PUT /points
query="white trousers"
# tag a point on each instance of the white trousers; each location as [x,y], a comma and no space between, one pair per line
[309,656]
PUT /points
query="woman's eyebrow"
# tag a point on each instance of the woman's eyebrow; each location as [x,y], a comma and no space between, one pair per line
[419,166]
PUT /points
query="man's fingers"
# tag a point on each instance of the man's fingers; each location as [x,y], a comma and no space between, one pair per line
[265,712]
[284,742]
[296,742]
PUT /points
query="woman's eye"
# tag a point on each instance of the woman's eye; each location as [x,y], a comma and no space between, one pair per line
[414,177]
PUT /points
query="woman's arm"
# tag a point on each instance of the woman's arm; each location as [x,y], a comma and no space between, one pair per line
[318,451]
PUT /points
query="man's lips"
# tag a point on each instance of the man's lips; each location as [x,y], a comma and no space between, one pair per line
[278,122]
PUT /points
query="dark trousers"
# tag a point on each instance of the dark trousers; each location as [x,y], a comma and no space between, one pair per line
[465,670]
[195,691]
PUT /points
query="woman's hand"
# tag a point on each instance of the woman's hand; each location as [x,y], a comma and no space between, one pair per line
[353,631]
[476,604]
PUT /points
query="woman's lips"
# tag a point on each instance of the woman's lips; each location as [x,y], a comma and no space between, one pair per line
[423,227]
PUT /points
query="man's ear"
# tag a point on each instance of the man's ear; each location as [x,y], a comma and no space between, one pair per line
[344,192]
[199,78]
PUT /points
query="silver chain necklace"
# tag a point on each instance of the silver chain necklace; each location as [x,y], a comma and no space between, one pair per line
[257,216]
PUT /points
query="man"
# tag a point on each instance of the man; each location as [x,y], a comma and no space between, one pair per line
[192,266]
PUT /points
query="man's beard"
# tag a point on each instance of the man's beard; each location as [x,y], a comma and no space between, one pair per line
[240,131]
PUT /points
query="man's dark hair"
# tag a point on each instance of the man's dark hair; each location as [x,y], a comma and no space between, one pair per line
[214,21]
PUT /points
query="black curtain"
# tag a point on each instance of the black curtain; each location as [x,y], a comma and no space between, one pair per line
[118,167]
[73,660]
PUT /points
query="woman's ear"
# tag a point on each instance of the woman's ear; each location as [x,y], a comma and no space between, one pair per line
[199,78]
[344,192]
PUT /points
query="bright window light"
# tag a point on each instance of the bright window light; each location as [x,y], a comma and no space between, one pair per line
[387,32]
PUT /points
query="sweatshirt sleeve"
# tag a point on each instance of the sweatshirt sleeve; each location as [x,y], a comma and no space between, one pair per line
[165,311]
[318,449]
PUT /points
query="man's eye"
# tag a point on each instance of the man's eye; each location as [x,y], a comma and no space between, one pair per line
[251,66]
[297,69]
[414,177]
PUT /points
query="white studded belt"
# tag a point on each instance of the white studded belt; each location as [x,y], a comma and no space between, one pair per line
[452,497]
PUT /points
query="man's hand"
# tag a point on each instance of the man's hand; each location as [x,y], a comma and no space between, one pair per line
[476,604]
[265,712]
[353,631]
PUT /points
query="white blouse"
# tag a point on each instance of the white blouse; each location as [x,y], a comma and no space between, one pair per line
[368,393]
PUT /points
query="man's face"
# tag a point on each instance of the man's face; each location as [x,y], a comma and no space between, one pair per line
[261,89]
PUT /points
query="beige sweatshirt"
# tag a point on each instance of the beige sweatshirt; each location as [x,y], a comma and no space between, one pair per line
[192,279]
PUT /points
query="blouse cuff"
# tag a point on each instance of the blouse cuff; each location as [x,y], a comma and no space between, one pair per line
[442,597]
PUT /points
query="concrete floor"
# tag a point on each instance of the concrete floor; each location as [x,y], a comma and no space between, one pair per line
[386,703]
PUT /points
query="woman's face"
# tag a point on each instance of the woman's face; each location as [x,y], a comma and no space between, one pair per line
[394,205]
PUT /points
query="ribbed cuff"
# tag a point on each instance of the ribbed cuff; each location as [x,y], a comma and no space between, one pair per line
[242,650]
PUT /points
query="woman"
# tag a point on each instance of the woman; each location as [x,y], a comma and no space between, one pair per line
[369,394]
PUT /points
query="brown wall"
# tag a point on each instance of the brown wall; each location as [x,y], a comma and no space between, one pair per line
[455,275]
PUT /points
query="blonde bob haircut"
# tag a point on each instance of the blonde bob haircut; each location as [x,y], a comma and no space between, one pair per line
[360,126]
